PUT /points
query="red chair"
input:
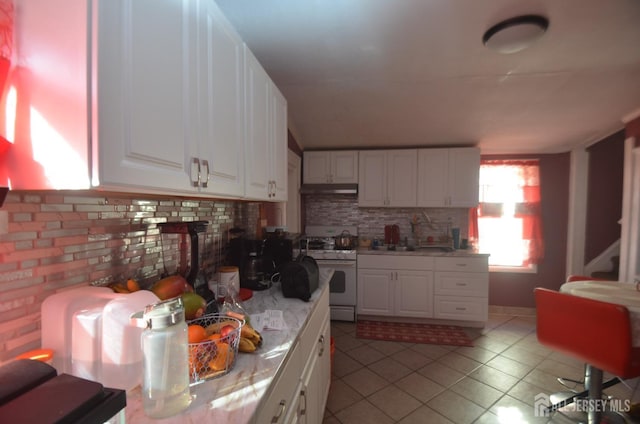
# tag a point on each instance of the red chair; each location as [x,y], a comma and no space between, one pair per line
[597,333]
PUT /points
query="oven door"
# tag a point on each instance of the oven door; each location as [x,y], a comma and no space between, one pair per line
[342,288]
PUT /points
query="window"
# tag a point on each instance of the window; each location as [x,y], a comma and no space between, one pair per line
[507,222]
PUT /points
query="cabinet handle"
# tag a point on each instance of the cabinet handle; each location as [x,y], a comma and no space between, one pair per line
[463,265]
[461,284]
[321,341]
[205,183]
[303,395]
[195,172]
[276,418]
[461,309]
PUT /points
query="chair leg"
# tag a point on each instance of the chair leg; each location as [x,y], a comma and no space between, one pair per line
[593,383]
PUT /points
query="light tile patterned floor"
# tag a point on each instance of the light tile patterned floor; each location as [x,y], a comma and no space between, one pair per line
[494,382]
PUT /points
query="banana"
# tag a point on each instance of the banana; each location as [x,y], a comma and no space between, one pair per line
[248,332]
[246,346]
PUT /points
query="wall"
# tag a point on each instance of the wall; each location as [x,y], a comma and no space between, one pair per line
[343,209]
[515,289]
[60,240]
[604,194]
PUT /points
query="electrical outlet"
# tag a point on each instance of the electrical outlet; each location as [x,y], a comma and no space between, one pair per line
[4,222]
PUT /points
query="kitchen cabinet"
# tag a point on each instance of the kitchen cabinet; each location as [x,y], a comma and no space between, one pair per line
[314,386]
[448,177]
[387,178]
[395,286]
[154,106]
[219,140]
[115,116]
[461,288]
[331,167]
[266,139]
[299,394]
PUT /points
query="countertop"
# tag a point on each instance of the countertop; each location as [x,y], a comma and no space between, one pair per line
[235,397]
[422,252]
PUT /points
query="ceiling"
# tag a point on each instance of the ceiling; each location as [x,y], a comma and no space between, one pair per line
[390,73]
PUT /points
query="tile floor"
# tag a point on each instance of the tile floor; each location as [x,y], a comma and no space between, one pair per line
[376,382]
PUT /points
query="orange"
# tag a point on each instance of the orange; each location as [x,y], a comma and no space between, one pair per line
[223,358]
[214,337]
[197,333]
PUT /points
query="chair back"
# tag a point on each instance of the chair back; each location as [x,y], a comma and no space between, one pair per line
[595,332]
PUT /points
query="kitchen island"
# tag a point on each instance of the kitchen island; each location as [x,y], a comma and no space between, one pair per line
[265,383]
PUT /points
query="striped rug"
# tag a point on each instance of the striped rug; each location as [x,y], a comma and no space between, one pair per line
[413,333]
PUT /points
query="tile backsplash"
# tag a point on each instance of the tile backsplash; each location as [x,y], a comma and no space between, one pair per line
[55,241]
[332,209]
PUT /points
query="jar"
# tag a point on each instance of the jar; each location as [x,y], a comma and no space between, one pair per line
[165,346]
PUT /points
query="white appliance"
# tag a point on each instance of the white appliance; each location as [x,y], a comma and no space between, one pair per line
[342,287]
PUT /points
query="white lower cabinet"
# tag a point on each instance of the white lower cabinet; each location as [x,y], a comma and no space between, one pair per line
[461,288]
[453,288]
[395,286]
[299,394]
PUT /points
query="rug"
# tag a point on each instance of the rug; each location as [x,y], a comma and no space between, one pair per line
[413,333]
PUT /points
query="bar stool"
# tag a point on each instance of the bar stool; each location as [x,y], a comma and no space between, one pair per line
[597,333]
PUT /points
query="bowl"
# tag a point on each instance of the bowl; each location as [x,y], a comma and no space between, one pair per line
[216,355]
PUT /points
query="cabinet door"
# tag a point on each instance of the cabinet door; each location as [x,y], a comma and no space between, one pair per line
[282,397]
[375,295]
[257,104]
[316,378]
[344,167]
[143,102]
[414,294]
[278,145]
[220,102]
[432,177]
[401,177]
[317,167]
[464,177]
[372,179]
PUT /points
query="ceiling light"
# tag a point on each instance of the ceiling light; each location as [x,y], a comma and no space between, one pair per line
[515,34]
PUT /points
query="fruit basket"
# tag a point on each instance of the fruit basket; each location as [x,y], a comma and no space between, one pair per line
[213,346]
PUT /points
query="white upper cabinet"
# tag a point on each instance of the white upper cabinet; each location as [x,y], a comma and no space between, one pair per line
[278,146]
[448,177]
[139,104]
[266,138]
[220,93]
[115,115]
[330,167]
[387,178]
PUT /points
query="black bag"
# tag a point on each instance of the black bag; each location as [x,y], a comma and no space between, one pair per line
[299,278]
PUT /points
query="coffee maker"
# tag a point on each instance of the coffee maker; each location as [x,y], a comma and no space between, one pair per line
[189,242]
[256,266]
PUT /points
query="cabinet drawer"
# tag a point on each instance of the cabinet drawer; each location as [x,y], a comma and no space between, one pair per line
[475,284]
[395,262]
[466,264]
[461,308]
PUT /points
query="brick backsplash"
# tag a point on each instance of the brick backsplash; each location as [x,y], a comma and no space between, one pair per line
[60,240]
[343,210]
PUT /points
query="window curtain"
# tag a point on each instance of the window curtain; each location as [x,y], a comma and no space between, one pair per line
[527,206]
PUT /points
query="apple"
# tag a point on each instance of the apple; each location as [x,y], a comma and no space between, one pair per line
[226,330]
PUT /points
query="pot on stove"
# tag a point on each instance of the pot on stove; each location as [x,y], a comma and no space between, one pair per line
[345,241]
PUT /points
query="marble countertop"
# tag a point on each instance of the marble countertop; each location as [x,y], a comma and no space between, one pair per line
[235,397]
[421,252]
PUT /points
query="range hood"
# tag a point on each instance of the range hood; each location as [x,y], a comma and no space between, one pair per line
[329,189]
